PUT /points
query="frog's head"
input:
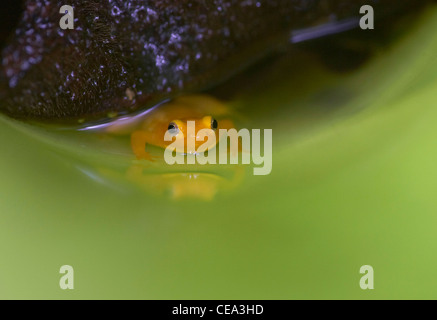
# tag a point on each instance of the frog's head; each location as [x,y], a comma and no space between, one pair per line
[193,133]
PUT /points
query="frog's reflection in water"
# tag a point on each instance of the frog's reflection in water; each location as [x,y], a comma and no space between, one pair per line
[185,185]
[175,184]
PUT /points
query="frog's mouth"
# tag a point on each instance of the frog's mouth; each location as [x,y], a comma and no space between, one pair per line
[198,149]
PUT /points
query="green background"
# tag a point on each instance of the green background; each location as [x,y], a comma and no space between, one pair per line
[350,187]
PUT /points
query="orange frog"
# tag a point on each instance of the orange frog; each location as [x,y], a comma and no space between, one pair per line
[172,117]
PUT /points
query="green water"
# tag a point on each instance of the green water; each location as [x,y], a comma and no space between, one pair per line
[353,183]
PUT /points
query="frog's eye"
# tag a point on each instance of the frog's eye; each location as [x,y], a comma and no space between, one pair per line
[214,124]
[173,128]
